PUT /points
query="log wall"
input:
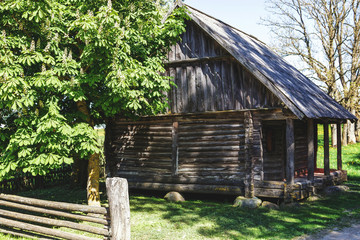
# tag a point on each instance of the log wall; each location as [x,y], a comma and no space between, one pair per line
[206,152]
[206,149]
[209,79]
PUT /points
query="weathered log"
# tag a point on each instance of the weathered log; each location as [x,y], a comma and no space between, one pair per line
[54,212]
[310,154]
[175,149]
[339,157]
[54,205]
[223,189]
[54,222]
[118,197]
[326,150]
[290,146]
[43,230]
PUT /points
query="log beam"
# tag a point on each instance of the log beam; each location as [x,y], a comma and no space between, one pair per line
[339,156]
[175,148]
[326,149]
[290,151]
[311,155]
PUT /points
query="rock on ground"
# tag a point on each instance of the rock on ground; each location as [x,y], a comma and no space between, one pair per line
[336,189]
[247,202]
[174,197]
[269,205]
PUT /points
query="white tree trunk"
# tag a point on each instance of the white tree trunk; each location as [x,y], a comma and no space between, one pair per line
[351,130]
[357,133]
[344,135]
[351,133]
[333,135]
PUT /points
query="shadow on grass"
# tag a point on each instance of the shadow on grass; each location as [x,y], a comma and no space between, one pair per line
[224,221]
[214,217]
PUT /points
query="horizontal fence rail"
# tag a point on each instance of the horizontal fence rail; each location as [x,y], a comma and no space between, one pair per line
[35,218]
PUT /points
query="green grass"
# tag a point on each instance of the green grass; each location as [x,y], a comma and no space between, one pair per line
[213,217]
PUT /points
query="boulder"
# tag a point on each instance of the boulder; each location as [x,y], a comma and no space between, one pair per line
[244,202]
[270,205]
[174,197]
[335,189]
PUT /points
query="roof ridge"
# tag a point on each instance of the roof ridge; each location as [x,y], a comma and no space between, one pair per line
[249,35]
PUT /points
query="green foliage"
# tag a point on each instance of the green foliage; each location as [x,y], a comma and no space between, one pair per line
[55,54]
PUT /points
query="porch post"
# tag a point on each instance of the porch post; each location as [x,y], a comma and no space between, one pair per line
[338,145]
[310,142]
[326,149]
[315,144]
[290,151]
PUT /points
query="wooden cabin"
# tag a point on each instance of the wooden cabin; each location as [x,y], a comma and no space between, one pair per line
[241,121]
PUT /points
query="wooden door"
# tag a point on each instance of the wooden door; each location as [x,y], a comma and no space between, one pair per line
[274,150]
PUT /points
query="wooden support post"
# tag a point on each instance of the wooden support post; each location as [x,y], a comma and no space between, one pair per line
[290,151]
[175,148]
[249,177]
[315,145]
[310,142]
[326,150]
[339,157]
[118,197]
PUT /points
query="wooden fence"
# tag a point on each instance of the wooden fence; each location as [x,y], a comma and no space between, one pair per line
[23,181]
[34,218]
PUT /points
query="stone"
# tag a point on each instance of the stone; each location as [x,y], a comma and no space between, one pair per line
[174,197]
[290,205]
[270,205]
[244,202]
[336,189]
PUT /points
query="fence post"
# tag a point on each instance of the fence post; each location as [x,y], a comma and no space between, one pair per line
[118,197]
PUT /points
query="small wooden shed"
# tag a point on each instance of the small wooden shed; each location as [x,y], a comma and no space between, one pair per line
[241,121]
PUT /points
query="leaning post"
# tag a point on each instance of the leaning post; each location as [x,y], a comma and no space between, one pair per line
[118,197]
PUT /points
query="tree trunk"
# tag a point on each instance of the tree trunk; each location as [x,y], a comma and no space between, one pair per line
[357,133]
[94,162]
[333,135]
[344,135]
[351,133]
[351,130]
[93,180]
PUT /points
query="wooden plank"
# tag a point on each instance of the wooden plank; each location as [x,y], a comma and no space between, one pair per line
[326,150]
[54,205]
[178,92]
[43,230]
[54,212]
[191,89]
[54,222]
[118,197]
[290,151]
[315,144]
[338,137]
[221,189]
[310,152]
[175,149]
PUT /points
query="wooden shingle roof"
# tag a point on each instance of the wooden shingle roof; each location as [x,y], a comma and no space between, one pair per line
[297,92]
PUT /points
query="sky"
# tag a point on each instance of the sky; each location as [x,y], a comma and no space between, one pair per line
[242,14]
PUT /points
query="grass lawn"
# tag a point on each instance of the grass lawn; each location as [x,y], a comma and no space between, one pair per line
[213,217]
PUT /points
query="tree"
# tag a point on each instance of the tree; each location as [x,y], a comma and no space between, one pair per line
[68,65]
[325,36]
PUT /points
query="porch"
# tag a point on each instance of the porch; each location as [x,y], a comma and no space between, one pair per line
[300,183]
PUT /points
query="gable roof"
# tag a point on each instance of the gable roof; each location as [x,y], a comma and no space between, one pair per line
[296,91]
